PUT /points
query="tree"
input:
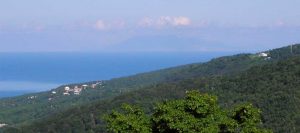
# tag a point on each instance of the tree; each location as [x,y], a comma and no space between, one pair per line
[195,113]
[132,120]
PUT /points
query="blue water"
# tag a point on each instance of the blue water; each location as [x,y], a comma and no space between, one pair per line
[30,72]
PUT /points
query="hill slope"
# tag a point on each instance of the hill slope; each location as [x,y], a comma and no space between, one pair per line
[24,109]
[275,88]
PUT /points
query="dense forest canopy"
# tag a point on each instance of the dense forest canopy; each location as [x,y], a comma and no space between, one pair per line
[195,113]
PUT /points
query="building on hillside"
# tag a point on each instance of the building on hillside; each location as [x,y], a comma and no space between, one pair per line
[67,88]
[93,86]
[77,90]
[96,84]
[263,55]
[53,92]
[2,125]
[84,86]
[66,93]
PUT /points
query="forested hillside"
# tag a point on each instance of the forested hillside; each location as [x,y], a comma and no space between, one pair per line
[270,84]
[27,108]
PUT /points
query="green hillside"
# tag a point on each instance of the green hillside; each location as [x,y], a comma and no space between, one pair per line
[274,88]
[22,109]
[221,76]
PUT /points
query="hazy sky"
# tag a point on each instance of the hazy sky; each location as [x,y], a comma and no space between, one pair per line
[147,25]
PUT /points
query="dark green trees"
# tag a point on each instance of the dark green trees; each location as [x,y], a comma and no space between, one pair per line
[196,113]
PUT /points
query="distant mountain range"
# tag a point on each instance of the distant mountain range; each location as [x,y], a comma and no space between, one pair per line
[269,80]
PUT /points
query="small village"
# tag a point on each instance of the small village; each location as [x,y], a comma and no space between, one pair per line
[77,89]
[31,97]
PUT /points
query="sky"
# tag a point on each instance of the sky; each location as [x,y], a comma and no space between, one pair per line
[147,25]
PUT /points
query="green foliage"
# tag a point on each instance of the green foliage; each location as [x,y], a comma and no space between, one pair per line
[133,120]
[194,114]
[248,118]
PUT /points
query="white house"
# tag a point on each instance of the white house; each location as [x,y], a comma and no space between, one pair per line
[263,54]
[84,86]
[93,86]
[77,90]
[67,88]
[53,92]
[2,125]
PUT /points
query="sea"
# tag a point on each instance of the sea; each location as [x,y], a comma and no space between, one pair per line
[22,73]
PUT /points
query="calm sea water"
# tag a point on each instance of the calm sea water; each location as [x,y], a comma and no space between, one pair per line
[31,72]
